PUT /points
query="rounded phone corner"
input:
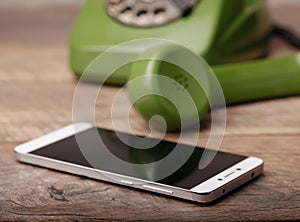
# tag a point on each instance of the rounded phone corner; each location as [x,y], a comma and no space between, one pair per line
[18,150]
[257,160]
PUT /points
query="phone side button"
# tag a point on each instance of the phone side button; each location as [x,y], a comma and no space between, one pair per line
[158,189]
[126,182]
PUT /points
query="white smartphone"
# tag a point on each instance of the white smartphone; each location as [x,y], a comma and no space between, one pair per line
[76,149]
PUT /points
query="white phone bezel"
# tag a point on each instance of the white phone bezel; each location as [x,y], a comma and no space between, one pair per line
[205,192]
[52,137]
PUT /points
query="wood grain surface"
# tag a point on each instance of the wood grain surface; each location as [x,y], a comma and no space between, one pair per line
[36,92]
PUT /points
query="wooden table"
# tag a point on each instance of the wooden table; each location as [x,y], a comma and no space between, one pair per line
[36,91]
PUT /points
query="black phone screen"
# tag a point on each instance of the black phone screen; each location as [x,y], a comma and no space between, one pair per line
[182,171]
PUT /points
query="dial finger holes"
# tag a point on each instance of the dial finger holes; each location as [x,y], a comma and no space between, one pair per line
[126,10]
[159,11]
[141,13]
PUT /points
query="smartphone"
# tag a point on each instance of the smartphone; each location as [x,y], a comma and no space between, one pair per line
[77,149]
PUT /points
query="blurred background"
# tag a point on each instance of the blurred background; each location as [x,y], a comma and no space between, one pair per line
[35,73]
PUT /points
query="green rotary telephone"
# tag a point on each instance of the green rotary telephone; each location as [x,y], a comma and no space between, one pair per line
[228,34]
